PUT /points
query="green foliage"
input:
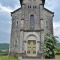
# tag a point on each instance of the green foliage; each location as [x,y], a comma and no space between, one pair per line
[50,45]
[57,49]
[4,48]
[7,58]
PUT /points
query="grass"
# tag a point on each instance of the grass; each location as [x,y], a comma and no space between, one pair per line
[7,58]
[12,58]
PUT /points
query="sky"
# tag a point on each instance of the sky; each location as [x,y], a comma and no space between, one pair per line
[7,6]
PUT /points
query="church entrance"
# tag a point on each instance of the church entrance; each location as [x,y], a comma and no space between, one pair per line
[31,48]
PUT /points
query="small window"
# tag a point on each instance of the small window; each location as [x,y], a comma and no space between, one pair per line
[17,23]
[30,6]
[34,6]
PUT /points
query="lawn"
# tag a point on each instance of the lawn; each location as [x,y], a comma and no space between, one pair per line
[11,58]
[7,58]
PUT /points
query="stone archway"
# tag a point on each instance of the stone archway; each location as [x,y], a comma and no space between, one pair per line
[31,36]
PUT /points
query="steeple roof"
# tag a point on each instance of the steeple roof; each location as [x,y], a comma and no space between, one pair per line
[21,1]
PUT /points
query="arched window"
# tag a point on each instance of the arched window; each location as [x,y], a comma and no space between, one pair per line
[32,23]
[16,23]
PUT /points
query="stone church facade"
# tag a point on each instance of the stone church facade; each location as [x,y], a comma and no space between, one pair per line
[30,23]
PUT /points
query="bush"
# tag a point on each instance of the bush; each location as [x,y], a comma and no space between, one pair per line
[50,45]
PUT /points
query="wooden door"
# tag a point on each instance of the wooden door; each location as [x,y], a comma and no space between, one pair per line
[31,48]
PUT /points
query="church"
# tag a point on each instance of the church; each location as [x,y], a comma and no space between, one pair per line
[30,23]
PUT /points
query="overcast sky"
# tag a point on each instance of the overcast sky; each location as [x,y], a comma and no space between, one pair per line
[7,6]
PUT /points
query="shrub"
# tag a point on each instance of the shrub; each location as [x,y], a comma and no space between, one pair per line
[50,45]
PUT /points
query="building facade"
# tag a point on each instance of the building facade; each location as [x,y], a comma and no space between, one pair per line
[30,23]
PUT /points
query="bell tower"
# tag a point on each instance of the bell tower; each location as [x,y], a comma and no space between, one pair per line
[32,29]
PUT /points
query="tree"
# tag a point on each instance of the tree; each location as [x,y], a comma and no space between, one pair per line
[50,45]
